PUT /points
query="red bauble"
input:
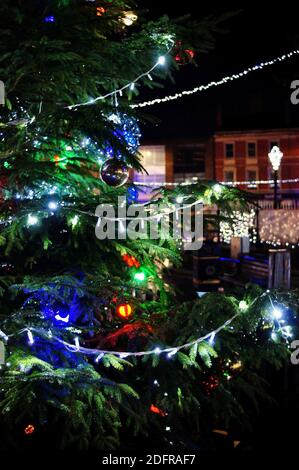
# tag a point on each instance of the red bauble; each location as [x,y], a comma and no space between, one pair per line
[183,56]
[29,429]
[154,409]
[124,311]
[131,261]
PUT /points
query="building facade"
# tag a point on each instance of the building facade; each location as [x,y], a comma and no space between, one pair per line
[243,157]
[176,161]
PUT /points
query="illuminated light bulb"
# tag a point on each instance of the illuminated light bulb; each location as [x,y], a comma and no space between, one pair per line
[212,338]
[74,221]
[129,18]
[99,357]
[30,338]
[139,276]
[77,343]
[156,382]
[123,355]
[157,350]
[52,205]
[167,428]
[180,199]
[277,313]
[132,86]
[63,319]
[162,60]
[32,219]
[243,305]
[217,188]
[172,353]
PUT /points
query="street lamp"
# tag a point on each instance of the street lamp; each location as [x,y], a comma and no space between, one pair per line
[275,157]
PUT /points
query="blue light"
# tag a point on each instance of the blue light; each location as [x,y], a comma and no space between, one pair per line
[49,19]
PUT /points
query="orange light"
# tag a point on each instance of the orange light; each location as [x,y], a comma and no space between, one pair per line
[124,311]
[100,11]
[56,159]
[29,429]
[154,409]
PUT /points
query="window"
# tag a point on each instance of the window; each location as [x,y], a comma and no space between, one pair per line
[229,176]
[189,160]
[229,151]
[252,177]
[251,149]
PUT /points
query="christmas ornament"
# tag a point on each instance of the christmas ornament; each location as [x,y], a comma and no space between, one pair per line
[114,173]
[183,56]
[124,311]
[101,11]
[126,130]
[29,429]
[154,409]
[131,261]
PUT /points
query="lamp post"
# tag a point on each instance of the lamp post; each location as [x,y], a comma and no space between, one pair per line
[275,157]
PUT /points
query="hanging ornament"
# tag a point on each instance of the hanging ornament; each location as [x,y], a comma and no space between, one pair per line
[30,429]
[131,261]
[183,56]
[154,409]
[124,311]
[101,11]
[114,173]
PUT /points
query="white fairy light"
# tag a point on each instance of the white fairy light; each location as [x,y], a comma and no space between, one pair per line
[32,219]
[30,338]
[277,313]
[220,82]
[162,60]
[52,205]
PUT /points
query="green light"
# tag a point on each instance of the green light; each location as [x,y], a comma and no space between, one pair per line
[243,306]
[139,276]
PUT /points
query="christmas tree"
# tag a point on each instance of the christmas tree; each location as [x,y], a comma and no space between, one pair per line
[93,340]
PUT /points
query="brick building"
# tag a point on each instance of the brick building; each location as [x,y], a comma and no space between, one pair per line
[243,156]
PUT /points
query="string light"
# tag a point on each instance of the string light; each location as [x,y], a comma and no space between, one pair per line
[225,183]
[222,81]
[30,338]
[277,313]
[52,205]
[32,220]
[160,62]
[169,351]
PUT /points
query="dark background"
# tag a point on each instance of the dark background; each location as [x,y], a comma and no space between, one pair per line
[259,32]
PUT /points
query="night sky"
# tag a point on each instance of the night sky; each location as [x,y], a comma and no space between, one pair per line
[259,101]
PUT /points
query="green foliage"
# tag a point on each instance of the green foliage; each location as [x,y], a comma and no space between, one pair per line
[55,259]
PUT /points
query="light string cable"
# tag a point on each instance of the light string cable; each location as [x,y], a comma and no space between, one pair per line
[225,183]
[96,352]
[130,85]
[213,84]
[99,353]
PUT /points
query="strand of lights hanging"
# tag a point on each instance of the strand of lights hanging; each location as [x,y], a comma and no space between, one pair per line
[222,81]
[276,316]
[129,86]
[225,183]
